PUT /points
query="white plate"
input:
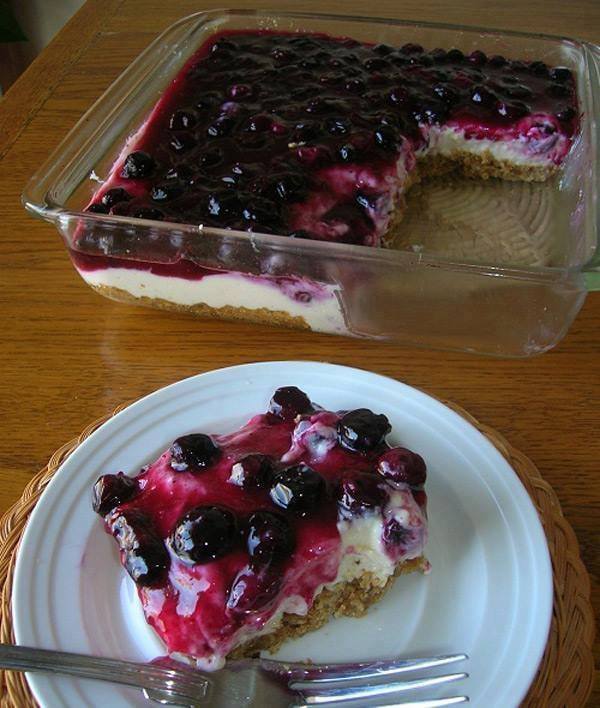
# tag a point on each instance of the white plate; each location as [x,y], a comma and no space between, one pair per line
[489,593]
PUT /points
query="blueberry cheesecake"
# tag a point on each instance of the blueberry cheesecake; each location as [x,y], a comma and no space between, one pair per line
[239,542]
[315,137]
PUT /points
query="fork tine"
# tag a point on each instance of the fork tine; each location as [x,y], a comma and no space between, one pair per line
[331,673]
[324,696]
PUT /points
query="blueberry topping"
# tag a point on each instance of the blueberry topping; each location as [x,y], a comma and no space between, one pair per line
[299,489]
[165,191]
[138,165]
[477,58]
[497,61]
[283,107]
[394,535]
[182,142]
[360,494]
[362,430]
[114,196]
[455,55]
[566,114]
[193,452]
[288,402]
[204,534]
[98,208]
[112,490]
[403,466]
[144,554]
[183,120]
[561,74]
[254,471]
[270,537]
[254,589]
[148,213]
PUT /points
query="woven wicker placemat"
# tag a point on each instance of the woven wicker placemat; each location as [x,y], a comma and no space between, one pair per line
[566,673]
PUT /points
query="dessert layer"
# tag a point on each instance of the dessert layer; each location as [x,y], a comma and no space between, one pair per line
[318,308]
[313,136]
[225,535]
[344,599]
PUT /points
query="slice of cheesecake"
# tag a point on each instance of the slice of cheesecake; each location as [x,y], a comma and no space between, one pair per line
[239,542]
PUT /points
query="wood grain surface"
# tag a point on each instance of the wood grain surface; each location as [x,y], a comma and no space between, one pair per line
[69,356]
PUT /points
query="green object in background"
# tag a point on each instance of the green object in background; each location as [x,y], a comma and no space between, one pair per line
[9,27]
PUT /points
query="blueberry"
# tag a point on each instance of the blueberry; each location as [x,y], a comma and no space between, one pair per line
[254,589]
[210,158]
[204,534]
[355,86]
[183,120]
[148,213]
[446,93]
[497,61]
[383,49]
[221,127]
[376,64]
[138,165]
[538,68]
[223,204]
[348,153]
[519,67]
[165,191]
[259,123]
[362,430]
[337,126]
[482,97]
[240,91]
[298,489]
[561,74]
[511,111]
[114,196]
[112,490]
[411,48]
[455,56]
[360,494]
[566,114]
[270,537]
[288,402]
[386,138]
[98,208]
[144,554]
[394,535]
[291,187]
[182,142]
[254,471]
[195,451]
[438,55]
[477,58]
[402,466]
[399,95]
[558,90]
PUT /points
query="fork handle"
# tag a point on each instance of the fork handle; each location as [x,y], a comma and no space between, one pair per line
[128,673]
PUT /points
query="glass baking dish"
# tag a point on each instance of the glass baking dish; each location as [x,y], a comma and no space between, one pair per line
[504,271]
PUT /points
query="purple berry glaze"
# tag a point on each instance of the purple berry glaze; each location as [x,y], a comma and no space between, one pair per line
[281,133]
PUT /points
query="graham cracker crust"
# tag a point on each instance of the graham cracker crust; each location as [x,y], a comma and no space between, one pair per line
[483,166]
[261,315]
[351,599]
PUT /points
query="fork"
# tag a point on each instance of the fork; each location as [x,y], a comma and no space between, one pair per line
[251,682]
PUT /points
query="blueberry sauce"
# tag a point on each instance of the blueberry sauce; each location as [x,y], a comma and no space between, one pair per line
[300,133]
[221,529]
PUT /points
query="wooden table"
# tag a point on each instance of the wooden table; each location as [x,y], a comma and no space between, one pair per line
[69,357]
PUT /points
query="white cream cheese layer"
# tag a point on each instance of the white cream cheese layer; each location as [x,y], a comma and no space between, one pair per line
[526,151]
[321,312]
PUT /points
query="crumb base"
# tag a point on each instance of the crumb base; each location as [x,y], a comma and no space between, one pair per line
[351,599]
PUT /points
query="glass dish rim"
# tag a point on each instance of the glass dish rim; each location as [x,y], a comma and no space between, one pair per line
[35,196]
